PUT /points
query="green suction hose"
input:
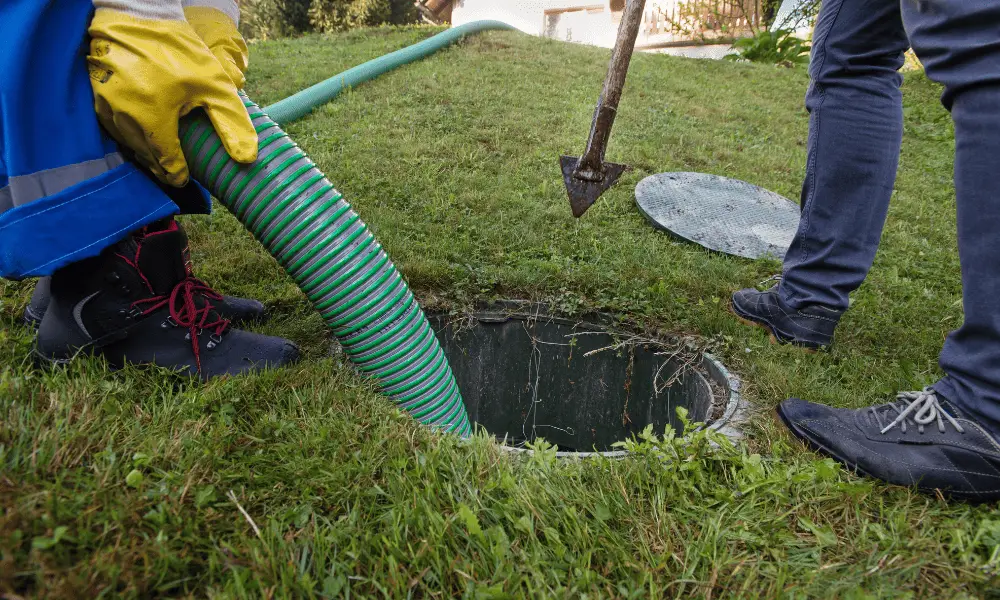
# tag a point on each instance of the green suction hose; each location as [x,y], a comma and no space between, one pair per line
[301,104]
[296,213]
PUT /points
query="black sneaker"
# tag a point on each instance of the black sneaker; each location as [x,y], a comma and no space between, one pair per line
[918,440]
[238,311]
[138,303]
[810,327]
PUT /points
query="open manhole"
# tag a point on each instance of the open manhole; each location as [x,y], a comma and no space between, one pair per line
[578,384]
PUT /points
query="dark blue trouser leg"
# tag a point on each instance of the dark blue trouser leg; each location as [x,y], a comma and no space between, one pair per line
[855,132]
[958,42]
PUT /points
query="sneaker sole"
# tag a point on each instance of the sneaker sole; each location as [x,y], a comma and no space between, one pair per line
[772,334]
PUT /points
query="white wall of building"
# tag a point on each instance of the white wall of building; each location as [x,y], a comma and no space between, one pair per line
[590,22]
[593,26]
[526,15]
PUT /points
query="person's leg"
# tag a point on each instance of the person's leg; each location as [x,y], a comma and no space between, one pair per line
[239,311]
[945,437]
[855,132]
[73,206]
[138,302]
[66,191]
[41,228]
[959,45]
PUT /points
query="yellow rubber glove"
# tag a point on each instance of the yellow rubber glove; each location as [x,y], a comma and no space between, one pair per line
[146,75]
[222,37]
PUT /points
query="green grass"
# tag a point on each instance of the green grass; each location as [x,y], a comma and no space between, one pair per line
[119,483]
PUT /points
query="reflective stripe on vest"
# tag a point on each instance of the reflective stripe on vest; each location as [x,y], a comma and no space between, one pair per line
[23,189]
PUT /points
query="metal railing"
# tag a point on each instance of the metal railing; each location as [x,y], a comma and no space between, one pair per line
[697,20]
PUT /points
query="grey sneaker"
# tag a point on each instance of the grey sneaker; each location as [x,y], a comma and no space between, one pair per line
[919,440]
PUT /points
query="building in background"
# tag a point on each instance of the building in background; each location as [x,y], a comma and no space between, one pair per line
[696,28]
[692,27]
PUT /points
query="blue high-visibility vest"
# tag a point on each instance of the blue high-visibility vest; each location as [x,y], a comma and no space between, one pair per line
[66,190]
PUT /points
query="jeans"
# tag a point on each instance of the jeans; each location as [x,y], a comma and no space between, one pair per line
[855,132]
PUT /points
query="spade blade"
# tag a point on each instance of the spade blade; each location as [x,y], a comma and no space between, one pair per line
[583,193]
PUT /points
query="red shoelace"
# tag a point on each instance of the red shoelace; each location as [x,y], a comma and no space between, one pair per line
[185,312]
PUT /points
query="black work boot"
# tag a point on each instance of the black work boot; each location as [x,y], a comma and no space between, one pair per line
[138,303]
[239,311]
[810,327]
[918,440]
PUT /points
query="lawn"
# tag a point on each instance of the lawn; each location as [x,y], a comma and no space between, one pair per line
[304,483]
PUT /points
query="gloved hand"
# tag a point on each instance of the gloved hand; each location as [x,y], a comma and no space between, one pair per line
[222,37]
[147,74]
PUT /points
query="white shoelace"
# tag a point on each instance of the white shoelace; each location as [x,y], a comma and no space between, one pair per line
[923,407]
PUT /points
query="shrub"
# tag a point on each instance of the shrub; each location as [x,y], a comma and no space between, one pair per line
[403,12]
[775,47]
[263,19]
[331,15]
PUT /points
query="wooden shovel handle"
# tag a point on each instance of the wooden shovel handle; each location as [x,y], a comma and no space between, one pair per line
[591,166]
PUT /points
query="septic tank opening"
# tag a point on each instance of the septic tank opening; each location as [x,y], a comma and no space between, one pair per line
[578,384]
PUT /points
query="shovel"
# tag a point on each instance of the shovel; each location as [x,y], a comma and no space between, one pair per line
[589,176]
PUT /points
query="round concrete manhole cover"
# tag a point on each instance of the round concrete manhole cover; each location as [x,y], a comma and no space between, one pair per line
[721,214]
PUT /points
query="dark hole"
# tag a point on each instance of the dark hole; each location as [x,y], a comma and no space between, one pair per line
[525,377]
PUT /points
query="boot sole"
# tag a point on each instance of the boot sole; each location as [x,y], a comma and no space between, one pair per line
[772,335]
[41,361]
[30,319]
[47,362]
[44,361]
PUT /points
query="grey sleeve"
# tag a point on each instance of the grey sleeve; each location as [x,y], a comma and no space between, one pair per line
[157,10]
[230,7]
